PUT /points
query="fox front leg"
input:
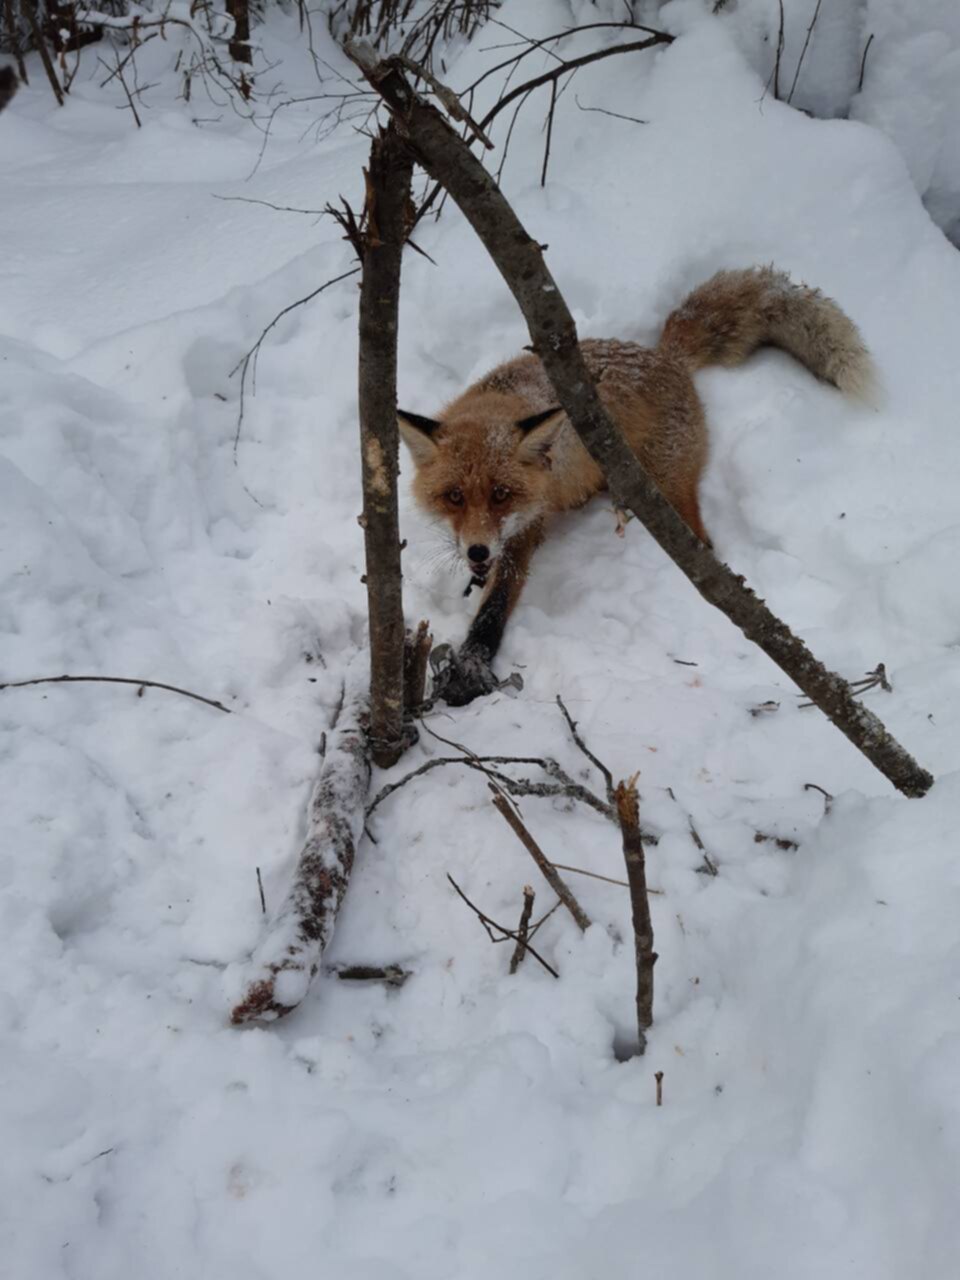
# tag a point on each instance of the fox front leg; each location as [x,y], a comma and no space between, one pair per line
[470,672]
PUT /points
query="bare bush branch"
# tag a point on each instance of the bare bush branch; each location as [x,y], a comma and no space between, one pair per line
[140,684]
[489,924]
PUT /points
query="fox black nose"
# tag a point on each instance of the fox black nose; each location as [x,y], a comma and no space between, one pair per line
[478,554]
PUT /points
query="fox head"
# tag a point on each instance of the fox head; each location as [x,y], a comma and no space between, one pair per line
[484,471]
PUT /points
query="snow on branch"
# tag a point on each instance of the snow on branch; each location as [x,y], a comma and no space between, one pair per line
[289,956]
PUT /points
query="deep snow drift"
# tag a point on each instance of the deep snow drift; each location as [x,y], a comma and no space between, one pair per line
[470,1123]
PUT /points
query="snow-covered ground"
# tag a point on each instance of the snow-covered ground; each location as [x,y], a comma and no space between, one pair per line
[471,1123]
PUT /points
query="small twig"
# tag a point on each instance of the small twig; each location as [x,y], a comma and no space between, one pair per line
[547,868]
[391,974]
[523,928]
[877,678]
[646,957]
[254,351]
[141,684]
[471,762]
[776,65]
[489,924]
[263,901]
[863,61]
[118,72]
[765,708]
[827,797]
[594,875]
[598,764]
[544,918]
[782,842]
[122,62]
[562,786]
[277,208]
[572,64]
[803,51]
[658,1075]
[546,148]
[709,867]
[604,111]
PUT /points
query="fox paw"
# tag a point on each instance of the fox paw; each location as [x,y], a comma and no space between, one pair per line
[458,678]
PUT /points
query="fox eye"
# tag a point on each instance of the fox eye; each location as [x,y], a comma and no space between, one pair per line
[454,497]
[501,493]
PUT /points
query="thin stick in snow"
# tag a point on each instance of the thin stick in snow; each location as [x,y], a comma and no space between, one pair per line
[547,869]
[628,811]
[141,685]
[489,924]
[523,929]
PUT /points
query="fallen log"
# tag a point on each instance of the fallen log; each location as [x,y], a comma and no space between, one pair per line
[287,959]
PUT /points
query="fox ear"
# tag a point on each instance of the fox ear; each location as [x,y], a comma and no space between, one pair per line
[418,433]
[539,433]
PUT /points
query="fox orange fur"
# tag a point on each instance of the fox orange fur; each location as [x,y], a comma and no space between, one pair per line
[503,457]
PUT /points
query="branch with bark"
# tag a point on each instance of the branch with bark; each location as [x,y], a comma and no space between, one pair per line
[629,814]
[547,869]
[519,258]
[289,956]
[388,215]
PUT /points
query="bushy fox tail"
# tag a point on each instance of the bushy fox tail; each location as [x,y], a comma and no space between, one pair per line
[735,312]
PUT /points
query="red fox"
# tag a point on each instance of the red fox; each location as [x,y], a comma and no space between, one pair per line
[503,456]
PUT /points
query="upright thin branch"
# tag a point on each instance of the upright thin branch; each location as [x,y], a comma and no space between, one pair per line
[779,57]
[803,51]
[519,258]
[628,812]
[243,365]
[863,62]
[523,929]
[490,925]
[388,213]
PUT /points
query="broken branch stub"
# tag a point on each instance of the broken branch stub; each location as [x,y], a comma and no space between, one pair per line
[519,259]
